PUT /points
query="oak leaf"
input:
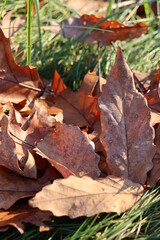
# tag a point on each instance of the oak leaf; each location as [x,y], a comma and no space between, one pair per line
[13,187]
[107,32]
[77,197]
[70,151]
[16,82]
[22,213]
[79,108]
[127,135]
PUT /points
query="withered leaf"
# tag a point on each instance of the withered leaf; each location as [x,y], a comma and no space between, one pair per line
[16,82]
[127,135]
[77,197]
[85,6]
[10,26]
[18,139]
[109,31]
[70,151]
[79,108]
[22,213]
[13,187]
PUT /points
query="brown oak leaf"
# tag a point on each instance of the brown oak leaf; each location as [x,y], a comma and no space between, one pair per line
[22,213]
[77,197]
[13,187]
[127,135]
[70,151]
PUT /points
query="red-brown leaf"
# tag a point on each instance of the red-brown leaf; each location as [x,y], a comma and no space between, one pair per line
[109,31]
[127,135]
[79,108]
[16,83]
[70,151]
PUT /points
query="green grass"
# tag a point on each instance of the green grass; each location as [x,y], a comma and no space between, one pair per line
[73,60]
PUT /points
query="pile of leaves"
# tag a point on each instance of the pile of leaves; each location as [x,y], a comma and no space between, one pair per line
[76,153]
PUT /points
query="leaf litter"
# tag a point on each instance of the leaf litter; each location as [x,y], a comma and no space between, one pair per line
[76,153]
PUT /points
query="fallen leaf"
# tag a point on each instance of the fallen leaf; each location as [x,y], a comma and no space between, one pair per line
[107,32]
[13,187]
[22,213]
[127,135]
[85,6]
[17,83]
[70,151]
[154,174]
[79,108]
[9,25]
[77,197]
[153,99]
[19,139]
[142,81]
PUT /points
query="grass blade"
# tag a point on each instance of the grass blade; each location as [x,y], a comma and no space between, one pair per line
[109,9]
[36,2]
[2,8]
[29,32]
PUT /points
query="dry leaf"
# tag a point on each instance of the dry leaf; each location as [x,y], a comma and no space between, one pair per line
[70,151]
[79,108]
[18,139]
[127,135]
[109,31]
[22,213]
[154,174]
[77,197]
[85,6]
[13,187]
[16,83]
[10,26]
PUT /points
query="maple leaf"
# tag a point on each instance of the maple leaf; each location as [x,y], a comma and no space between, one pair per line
[127,135]
[13,187]
[70,151]
[16,82]
[22,213]
[109,31]
[79,108]
[154,174]
[77,197]
[10,26]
